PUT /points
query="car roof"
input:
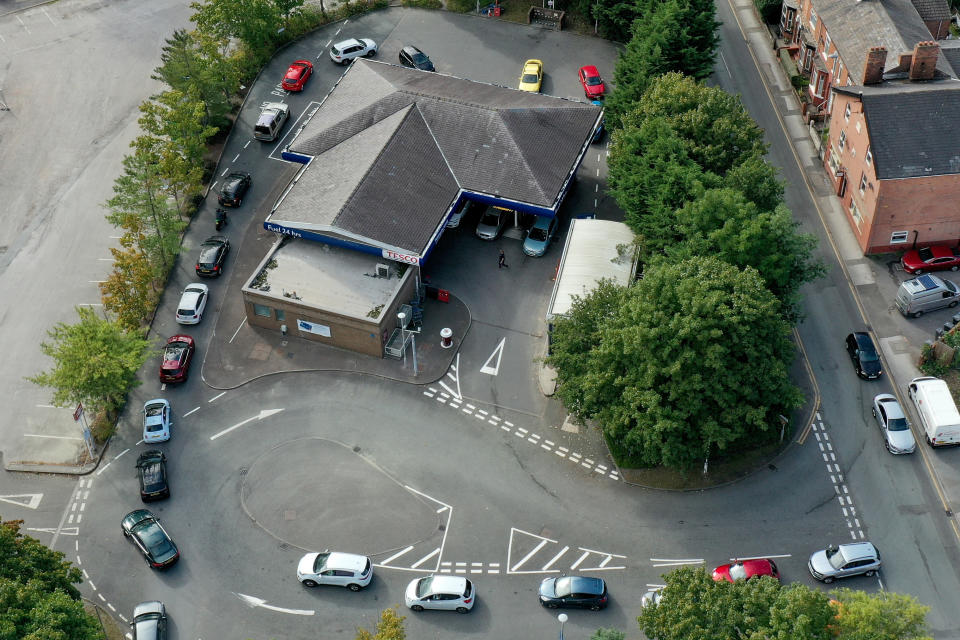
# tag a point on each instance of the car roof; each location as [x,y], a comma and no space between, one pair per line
[448,584]
[586,584]
[153,606]
[590,70]
[150,456]
[348,561]
[411,49]
[858,550]
[863,339]
[893,408]
[190,296]
[349,42]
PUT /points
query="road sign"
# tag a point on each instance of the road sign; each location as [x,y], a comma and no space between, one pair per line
[78,412]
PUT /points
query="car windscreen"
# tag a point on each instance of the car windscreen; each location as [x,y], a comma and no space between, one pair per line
[897,424]
[530,78]
[155,426]
[425,587]
[538,234]
[563,587]
[925,254]
[490,218]
[593,81]
[419,58]
[835,558]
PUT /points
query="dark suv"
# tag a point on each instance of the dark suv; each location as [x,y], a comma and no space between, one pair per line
[234,188]
[410,56]
[864,355]
[573,592]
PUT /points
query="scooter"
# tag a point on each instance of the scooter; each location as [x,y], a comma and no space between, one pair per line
[221,219]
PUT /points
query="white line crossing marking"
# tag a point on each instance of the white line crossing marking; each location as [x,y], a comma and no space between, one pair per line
[547,566]
[579,560]
[537,548]
[194,410]
[395,556]
[425,558]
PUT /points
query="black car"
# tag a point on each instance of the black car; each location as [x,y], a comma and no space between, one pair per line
[410,56]
[864,355]
[574,592]
[234,188]
[152,473]
[213,252]
[151,538]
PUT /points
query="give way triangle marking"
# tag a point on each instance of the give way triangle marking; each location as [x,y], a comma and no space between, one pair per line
[32,500]
[497,353]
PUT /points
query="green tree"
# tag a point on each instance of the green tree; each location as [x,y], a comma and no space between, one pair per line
[256,23]
[130,290]
[690,361]
[718,131]
[389,627]
[608,634]
[94,362]
[25,559]
[758,181]
[879,616]
[614,17]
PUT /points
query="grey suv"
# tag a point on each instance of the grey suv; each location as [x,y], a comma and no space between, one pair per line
[843,561]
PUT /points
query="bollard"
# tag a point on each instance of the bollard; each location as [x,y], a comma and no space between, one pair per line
[446,338]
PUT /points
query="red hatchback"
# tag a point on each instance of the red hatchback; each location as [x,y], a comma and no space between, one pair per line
[297,75]
[592,83]
[746,569]
[176,359]
[939,258]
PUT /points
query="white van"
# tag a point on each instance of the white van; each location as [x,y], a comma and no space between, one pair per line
[926,293]
[938,413]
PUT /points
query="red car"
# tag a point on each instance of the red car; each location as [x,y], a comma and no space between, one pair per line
[746,569]
[177,356]
[939,258]
[592,83]
[297,75]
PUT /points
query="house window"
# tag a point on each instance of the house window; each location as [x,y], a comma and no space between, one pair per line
[262,310]
[821,83]
[863,183]
[855,214]
[807,59]
[826,45]
[842,142]
[857,126]
[834,165]
[869,157]
[281,315]
[813,20]
[846,113]
[899,237]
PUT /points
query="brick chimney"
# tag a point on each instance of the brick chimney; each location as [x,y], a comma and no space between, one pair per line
[924,61]
[873,69]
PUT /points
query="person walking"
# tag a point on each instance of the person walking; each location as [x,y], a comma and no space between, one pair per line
[503,261]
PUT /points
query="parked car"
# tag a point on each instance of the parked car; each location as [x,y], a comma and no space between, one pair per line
[491,223]
[176,358]
[746,569]
[193,301]
[273,115]
[143,528]
[332,567]
[574,592]
[652,597]
[213,253]
[938,413]
[539,237]
[843,561]
[152,474]
[532,76]
[454,220]
[591,82]
[864,355]
[936,258]
[447,593]
[346,50]
[149,621]
[234,188]
[897,437]
[410,56]
[156,421]
[297,75]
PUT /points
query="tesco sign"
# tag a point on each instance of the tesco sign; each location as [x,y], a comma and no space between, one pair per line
[400,257]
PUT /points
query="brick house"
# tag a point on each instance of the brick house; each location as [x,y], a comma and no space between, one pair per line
[894,151]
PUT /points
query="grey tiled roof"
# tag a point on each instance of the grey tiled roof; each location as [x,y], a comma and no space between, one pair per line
[912,127]
[932,9]
[950,51]
[854,27]
[393,147]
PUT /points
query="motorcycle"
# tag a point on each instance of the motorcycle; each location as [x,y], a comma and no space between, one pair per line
[221,219]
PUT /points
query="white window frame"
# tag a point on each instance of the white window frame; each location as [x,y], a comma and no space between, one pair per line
[855,213]
[869,157]
[262,310]
[813,20]
[846,113]
[842,140]
[899,237]
[863,183]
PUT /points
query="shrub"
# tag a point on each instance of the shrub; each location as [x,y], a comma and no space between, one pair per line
[769,10]
[423,4]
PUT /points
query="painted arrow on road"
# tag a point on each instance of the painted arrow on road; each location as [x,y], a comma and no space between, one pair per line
[254,602]
[28,500]
[264,413]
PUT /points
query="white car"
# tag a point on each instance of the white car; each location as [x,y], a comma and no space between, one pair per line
[447,593]
[897,436]
[332,567]
[157,420]
[345,51]
[193,301]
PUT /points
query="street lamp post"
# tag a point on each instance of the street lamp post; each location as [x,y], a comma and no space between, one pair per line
[562,618]
[403,336]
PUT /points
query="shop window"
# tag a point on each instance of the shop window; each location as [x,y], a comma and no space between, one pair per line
[280,314]
[262,310]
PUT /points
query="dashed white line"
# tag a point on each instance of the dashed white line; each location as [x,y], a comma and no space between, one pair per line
[194,410]
[219,395]
[236,157]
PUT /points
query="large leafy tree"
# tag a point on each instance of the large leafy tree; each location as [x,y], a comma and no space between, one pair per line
[389,627]
[879,616]
[130,290]
[686,363]
[758,181]
[256,23]
[94,361]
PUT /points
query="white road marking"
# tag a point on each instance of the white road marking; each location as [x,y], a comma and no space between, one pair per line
[395,556]
[248,144]
[547,566]
[225,172]
[44,10]
[425,558]
[254,602]
[32,499]
[23,25]
[498,352]
[40,435]
[264,413]
[235,157]
[455,394]
[69,531]
[219,395]
[537,548]
[194,410]
[237,331]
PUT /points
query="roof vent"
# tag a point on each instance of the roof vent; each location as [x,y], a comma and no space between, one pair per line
[383,271]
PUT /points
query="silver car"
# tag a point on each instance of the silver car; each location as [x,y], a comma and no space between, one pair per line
[843,561]
[149,621]
[897,436]
[491,223]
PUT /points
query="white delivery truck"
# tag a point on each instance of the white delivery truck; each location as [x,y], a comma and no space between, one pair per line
[938,412]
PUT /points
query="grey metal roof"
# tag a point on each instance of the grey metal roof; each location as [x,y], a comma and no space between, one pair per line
[854,27]
[392,148]
[912,127]
[932,9]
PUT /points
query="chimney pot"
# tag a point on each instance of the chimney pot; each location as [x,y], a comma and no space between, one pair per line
[873,69]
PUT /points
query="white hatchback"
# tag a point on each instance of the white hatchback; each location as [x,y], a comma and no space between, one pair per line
[157,420]
[193,301]
[332,567]
[447,593]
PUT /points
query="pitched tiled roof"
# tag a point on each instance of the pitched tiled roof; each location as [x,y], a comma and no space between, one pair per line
[932,9]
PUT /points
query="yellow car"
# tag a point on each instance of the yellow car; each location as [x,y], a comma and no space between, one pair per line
[532,76]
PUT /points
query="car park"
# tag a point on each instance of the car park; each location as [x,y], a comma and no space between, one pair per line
[153,541]
[341,569]
[347,50]
[234,188]
[532,76]
[864,355]
[176,358]
[539,236]
[936,258]
[445,593]
[152,474]
[213,253]
[297,75]
[411,56]
[575,592]
[746,569]
[156,421]
[897,437]
[193,301]
[843,561]
[591,82]
[149,621]
[273,115]
[491,223]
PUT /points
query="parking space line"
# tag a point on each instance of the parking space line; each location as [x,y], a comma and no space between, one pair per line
[547,566]
[425,558]
[537,548]
[395,556]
